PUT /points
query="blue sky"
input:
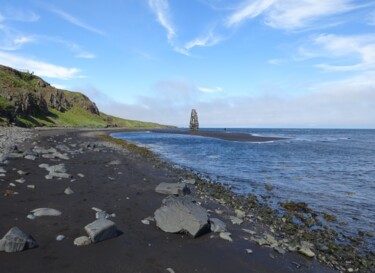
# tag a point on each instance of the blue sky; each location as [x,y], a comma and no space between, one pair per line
[240,63]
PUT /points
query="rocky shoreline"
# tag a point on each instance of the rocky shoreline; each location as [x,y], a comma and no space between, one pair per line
[122,206]
[297,229]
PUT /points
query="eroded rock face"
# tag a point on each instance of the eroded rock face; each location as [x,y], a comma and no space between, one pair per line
[194,123]
[181,214]
[16,240]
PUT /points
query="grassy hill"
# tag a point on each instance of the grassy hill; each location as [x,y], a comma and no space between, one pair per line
[27,100]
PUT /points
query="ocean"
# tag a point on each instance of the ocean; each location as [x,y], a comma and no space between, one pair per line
[333,171]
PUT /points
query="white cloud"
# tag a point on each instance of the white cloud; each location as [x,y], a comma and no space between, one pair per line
[75,21]
[250,10]
[289,14]
[210,90]
[209,40]
[340,104]
[40,68]
[161,10]
[274,61]
[354,53]
[19,15]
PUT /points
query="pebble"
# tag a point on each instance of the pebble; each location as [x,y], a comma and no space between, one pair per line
[226,236]
[145,221]
[12,184]
[30,216]
[170,270]
[249,251]
[235,220]
[21,180]
[81,175]
[20,172]
[68,191]
[31,186]
[60,237]
[82,241]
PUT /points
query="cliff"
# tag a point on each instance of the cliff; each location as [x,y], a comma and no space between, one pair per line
[27,100]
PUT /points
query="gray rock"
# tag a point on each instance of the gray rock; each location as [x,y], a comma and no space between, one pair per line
[226,236]
[2,170]
[21,180]
[194,124]
[45,212]
[101,229]
[30,157]
[181,214]
[58,171]
[31,186]
[235,220]
[60,237]
[16,240]
[217,225]
[82,241]
[68,191]
[172,188]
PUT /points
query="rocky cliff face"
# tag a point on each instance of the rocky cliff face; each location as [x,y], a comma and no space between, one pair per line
[24,94]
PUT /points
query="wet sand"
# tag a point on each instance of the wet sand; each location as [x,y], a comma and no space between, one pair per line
[224,135]
[128,191]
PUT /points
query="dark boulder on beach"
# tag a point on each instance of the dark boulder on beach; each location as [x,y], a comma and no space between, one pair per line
[16,240]
[181,214]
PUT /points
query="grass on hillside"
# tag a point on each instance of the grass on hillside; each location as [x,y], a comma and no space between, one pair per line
[78,117]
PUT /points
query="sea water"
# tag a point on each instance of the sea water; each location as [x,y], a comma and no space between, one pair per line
[333,171]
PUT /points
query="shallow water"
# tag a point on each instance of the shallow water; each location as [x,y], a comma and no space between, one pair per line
[331,170]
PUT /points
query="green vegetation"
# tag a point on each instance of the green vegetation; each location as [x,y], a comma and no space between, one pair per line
[40,104]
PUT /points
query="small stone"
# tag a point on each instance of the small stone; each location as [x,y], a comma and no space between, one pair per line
[170,270]
[81,175]
[226,236]
[2,170]
[20,172]
[96,209]
[249,251]
[45,212]
[249,231]
[235,220]
[30,216]
[279,250]
[305,250]
[239,213]
[31,186]
[217,211]
[145,221]
[350,270]
[60,237]
[30,157]
[68,191]
[111,178]
[82,241]
[12,184]
[21,180]
[217,225]
[190,181]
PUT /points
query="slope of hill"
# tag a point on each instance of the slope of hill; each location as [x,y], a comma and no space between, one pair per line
[27,100]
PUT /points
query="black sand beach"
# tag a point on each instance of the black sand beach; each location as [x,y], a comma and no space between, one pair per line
[122,182]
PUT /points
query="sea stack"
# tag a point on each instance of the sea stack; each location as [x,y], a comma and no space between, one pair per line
[194,124]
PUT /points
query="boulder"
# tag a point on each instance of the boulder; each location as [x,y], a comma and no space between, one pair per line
[217,225]
[101,229]
[181,214]
[172,188]
[16,240]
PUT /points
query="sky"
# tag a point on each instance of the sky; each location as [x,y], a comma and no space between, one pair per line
[239,63]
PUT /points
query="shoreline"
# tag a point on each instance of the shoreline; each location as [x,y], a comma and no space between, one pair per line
[143,248]
[241,137]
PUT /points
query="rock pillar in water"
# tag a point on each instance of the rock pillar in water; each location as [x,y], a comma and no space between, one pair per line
[194,124]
